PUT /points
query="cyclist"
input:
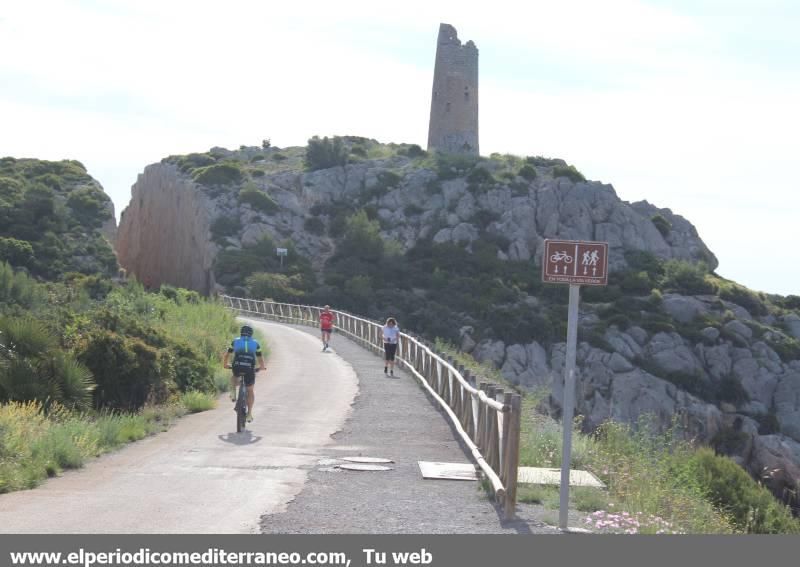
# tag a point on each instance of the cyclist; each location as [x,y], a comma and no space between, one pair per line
[246,351]
[326,321]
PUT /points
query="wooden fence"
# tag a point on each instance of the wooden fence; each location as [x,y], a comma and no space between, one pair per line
[485,416]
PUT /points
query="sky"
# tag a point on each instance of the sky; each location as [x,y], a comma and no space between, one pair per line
[690,105]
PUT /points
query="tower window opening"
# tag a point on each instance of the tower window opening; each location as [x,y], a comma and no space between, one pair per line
[447,107]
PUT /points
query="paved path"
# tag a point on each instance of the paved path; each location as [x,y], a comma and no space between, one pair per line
[201,476]
[394,418]
[311,408]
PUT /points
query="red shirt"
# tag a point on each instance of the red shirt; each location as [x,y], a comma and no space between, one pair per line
[326,319]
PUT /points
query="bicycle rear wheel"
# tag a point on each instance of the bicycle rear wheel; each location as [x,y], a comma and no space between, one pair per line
[241,410]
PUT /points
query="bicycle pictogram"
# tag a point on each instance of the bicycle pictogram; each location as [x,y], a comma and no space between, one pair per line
[559,256]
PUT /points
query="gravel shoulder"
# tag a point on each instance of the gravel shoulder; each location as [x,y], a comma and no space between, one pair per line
[394,418]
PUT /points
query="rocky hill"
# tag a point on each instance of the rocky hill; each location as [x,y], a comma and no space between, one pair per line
[451,246]
[54,219]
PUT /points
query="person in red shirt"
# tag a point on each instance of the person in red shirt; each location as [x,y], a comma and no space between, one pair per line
[326,322]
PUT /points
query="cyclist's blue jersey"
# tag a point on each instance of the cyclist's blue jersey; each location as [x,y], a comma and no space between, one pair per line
[245,350]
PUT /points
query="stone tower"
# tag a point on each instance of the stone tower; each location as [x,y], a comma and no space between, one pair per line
[454,103]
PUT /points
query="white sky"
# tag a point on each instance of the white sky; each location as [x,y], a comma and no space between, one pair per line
[692,105]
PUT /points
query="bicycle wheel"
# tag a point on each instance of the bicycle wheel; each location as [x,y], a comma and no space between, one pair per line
[241,410]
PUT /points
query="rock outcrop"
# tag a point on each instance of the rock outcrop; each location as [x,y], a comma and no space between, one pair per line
[163,234]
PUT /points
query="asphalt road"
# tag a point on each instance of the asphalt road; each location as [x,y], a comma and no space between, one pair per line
[201,476]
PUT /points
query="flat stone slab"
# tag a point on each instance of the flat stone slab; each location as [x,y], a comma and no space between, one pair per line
[367,460]
[537,475]
[363,467]
[448,471]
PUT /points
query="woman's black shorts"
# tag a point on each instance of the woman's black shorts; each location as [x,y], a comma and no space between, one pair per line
[390,349]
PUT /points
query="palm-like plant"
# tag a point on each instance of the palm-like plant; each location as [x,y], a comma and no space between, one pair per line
[33,368]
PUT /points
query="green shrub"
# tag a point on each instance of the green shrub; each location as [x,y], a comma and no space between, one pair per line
[90,206]
[754,302]
[228,173]
[658,326]
[224,226]
[752,507]
[16,252]
[362,238]
[568,171]
[11,190]
[787,348]
[325,153]
[528,172]
[686,278]
[128,371]
[636,282]
[278,287]
[190,162]
[480,175]
[641,260]
[789,302]
[413,210]
[413,151]
[662,224]
[389,178]
[450,166]
[543,161]
[19,288]
[258,200]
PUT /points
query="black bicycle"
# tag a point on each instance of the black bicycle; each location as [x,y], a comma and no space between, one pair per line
[241,404]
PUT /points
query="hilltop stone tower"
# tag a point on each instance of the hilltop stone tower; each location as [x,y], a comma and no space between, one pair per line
[454,103]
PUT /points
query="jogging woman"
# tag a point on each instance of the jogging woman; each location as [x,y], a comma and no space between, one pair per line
[391,332]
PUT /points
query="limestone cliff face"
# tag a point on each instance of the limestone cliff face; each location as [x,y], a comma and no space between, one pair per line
[163,235]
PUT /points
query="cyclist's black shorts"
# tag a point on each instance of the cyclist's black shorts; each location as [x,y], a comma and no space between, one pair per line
[249,375]
[390,349]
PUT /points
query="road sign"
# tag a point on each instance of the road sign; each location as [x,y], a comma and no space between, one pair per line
[282,252]
[575,262]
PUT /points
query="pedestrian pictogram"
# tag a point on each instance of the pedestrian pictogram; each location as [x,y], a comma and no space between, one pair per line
[575,262]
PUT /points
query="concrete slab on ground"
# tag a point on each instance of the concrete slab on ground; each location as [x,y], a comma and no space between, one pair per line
[448,471]
[537,475]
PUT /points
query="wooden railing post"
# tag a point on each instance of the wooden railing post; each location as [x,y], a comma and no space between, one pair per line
[481,427]
[504,465]
[514,428]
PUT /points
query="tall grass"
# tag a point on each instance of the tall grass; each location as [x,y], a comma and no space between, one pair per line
[657,482]
[35,444]
[207,325]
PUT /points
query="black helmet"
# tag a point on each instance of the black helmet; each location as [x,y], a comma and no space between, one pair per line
[247,331]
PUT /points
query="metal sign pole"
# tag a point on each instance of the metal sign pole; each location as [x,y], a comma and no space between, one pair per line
[569,399]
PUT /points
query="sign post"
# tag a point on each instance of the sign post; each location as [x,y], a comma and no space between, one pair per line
[281,252]
[575,263]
